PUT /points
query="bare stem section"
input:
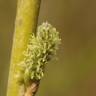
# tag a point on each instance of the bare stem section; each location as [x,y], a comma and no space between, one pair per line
[26,22]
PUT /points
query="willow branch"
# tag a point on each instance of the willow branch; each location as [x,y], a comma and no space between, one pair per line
[32,50]
[26,22]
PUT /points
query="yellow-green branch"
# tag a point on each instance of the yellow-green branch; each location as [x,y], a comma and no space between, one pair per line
[26,21]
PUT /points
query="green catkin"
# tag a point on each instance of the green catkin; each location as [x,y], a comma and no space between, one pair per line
[40,50]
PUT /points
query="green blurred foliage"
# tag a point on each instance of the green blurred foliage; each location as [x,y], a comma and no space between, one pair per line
[73,74]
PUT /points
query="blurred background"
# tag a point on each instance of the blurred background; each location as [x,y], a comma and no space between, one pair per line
[74,73]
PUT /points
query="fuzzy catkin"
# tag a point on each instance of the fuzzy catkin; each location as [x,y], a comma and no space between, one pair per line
[40,50]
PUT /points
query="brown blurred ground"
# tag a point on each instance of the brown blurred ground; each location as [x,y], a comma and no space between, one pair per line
[74,73]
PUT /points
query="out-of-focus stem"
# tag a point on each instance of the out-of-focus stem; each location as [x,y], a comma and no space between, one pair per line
[26,21]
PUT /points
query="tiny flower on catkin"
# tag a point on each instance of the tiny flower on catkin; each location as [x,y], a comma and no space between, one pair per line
[39,52]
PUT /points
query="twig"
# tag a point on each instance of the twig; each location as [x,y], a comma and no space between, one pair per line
[26,22]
